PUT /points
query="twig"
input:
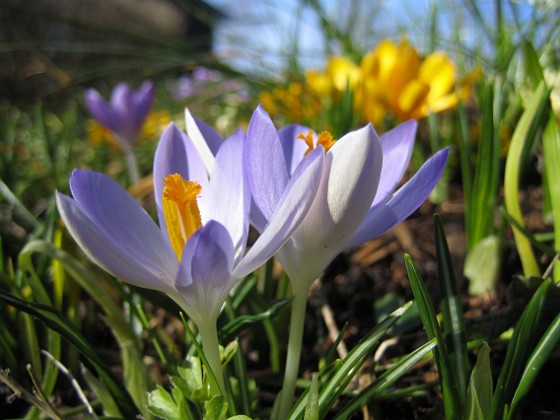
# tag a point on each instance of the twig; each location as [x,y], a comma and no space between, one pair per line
[333,330]
[74,383]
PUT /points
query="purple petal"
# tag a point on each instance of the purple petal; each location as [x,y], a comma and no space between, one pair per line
[397,146]
[227,198]
[289,213]
[294,148]
[266,164]
[404,202]
[175,154]
[116,233]
[101,110]
[205,277]
[143,101]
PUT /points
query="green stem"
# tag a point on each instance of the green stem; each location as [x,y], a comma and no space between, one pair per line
[208,331]
[294,352]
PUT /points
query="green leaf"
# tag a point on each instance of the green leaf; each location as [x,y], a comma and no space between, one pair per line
[162,404]
[312,408]
[192,376]
[519,348]
[386,380]
[344,371]
[479,393]
[228,331]
[551,153]
[482,265]
[215,408]
[452,313]
[538,358]
[441,356]
[515,161]
[58,323]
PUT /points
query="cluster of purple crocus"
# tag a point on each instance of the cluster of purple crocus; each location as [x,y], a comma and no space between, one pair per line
[309,202]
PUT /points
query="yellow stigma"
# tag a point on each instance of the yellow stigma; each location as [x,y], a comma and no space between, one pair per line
[325,139]
[180,210]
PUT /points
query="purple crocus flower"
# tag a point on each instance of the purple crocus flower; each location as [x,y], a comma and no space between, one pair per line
[355,201]
[198,252]
[125,113]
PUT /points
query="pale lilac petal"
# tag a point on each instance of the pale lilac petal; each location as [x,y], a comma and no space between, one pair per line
[227,198]
[266,165]
[348,186]
[290,211]
[397,146]
[134,251]
[294,148]
[205,139]
[205,278]
[404,202]
[175,154]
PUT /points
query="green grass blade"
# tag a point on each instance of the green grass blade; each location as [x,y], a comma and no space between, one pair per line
[312,408]
[534,365]
[452,314]
[349,367]
[519,348]
[551,152]
[386,380]
[512,174]
[441,355]
[55,321]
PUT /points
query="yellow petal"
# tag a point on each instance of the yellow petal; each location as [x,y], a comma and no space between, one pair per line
[438,72]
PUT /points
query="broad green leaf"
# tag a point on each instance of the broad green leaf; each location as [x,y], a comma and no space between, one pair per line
[482,265]
[215,408]
[479,393]
[162,404]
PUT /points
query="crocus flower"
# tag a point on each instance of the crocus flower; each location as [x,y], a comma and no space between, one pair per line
[395,78]
[125,113]
[198,252]
[355,201]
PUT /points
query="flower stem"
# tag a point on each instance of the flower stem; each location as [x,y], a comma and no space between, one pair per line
[132,165]
[209,336]
[294,352]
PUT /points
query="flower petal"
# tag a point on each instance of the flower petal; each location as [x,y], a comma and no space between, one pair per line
[292,207]
[266,164]
[397,146]
[101,110]
[205,277]
[294,148]
[227,198]
[175,154]
[347,188]
[403,203]
[204,138]
[127,244]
